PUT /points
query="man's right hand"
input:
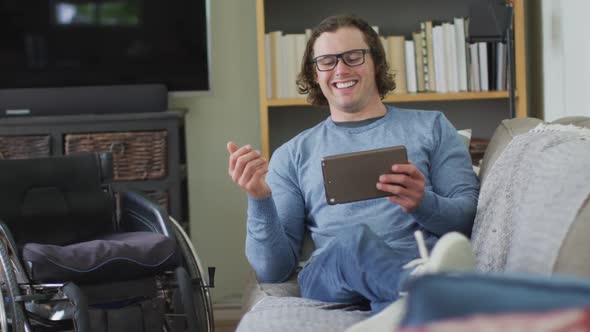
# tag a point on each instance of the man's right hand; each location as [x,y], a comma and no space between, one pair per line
[247,168]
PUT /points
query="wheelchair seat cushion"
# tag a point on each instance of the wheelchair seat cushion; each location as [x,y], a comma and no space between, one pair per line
[113,257]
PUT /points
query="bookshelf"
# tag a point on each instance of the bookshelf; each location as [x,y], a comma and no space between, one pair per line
[295,17]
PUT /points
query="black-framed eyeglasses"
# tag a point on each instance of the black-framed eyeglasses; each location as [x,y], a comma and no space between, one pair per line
[350,58]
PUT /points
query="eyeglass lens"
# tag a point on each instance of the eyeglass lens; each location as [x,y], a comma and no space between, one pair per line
[351,58]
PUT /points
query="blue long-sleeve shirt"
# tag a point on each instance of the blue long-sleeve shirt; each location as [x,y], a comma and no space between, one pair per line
[276,225]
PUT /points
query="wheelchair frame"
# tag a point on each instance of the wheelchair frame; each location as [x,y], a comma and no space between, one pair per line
[18,292]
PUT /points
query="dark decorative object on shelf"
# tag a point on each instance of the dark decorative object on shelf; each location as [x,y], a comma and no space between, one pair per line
[492,21]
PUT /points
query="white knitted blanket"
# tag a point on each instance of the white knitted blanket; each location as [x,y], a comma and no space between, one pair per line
[530,199]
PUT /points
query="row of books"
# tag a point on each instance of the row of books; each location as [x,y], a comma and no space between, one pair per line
[284,53]
[436,59]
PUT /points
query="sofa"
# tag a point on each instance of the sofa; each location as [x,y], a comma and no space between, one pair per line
[502,250]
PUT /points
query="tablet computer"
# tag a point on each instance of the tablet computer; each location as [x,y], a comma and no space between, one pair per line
[353,176]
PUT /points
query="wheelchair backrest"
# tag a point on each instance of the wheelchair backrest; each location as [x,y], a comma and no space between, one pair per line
[57,200]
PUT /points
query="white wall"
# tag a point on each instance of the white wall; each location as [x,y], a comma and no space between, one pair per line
[566,58]
[217,207]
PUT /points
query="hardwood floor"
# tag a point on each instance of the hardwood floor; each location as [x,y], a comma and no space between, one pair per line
[227,317]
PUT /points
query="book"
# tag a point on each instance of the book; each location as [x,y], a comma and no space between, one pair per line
[430,50]
[492,64]
[385,48]
[410,66]
[468,63]
[267,62]
[419,60]
[474,67]
[300,43]
[450,58]
[307,35]
[424,53]
[439,59]
[290,66]
[459,24]
[482,52]
[397,63]
[276,64]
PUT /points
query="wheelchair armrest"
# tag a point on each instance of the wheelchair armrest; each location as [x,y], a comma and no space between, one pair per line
[139,213]
[6,236]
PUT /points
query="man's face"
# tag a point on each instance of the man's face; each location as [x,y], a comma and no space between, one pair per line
[347,89]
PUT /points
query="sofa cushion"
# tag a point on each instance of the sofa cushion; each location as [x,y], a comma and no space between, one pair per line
[297,314]
[438,297]
[255,291]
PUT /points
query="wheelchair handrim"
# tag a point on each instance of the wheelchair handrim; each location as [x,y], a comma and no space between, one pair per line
[204,276]
[3,321]
[189,243]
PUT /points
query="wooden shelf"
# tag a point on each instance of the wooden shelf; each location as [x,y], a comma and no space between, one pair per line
[411,97]
[445,96]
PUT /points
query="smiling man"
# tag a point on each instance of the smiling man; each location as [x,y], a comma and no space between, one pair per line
[349,85]
[361,247]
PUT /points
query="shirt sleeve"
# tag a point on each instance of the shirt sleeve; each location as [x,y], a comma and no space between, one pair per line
[275,225]
[452,202]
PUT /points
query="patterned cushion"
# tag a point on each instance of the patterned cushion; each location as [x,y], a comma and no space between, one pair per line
[553,321]
[438,297]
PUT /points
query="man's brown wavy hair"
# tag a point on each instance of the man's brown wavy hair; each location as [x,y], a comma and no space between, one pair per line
[306,83]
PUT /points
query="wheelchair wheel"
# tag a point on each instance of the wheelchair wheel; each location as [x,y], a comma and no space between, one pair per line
[195,270]
[12,316]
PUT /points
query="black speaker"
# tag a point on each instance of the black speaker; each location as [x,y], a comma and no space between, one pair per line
[83,100]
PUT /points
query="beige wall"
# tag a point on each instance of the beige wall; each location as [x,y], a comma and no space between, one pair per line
[217,208]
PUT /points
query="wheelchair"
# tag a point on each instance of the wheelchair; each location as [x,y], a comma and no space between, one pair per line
[73,257]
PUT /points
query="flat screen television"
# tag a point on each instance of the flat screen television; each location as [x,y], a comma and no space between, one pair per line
[104,43]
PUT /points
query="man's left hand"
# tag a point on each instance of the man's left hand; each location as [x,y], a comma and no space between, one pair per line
[406,184]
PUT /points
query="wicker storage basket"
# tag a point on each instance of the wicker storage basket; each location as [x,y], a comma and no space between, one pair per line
[20,147]
[136,155]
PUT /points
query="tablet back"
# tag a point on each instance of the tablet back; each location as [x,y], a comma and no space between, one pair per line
[353,176]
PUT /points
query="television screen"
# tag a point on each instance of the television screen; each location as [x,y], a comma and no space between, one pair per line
[66,43]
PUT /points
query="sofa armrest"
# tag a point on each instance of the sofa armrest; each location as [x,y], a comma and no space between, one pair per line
[502,136]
